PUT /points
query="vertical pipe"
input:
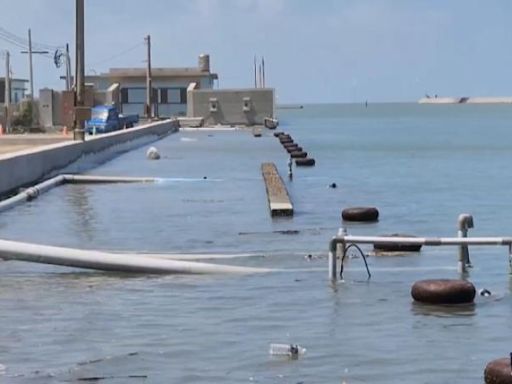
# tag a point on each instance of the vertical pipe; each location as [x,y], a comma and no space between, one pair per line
[149,86]
[333,268]
[464,222]
[461,267]
[7,99]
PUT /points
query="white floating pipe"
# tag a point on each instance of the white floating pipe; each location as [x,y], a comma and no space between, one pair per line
[117,262]
[90,179]
[33,192]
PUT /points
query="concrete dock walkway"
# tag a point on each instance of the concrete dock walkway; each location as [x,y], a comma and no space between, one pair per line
[278,199]
[14,143]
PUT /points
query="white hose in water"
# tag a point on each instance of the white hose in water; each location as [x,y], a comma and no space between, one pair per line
[91,179]
[117,262]
[33,192]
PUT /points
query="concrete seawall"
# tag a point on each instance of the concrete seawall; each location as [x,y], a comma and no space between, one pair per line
[27,167]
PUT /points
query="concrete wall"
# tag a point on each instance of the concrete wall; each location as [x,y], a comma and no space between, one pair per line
[230,103]
[30,166]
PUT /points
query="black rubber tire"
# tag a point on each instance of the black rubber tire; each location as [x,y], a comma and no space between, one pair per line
[290,145]
[361,214]
[277,134]
[498,372]
[294,149]
[396,247]
[443,291]
[298,155]
[306,162]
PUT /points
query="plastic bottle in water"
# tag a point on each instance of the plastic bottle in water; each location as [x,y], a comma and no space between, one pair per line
[291,350]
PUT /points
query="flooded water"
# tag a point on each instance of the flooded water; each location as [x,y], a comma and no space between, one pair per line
[420,165]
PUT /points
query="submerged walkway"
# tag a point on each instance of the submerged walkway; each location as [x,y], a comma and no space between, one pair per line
[278,199]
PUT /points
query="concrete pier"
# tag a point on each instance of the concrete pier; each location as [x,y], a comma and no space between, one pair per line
[44,162]
[278,199]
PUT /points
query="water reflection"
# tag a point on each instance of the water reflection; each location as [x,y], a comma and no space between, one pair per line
[459,310]
[84,218]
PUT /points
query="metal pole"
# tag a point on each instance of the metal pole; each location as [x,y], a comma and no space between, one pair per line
[263,70]
[149,86]
[333,268]
[259,75]
[68,69]
[7,100]
[465,221]
[255,75]
[80,114]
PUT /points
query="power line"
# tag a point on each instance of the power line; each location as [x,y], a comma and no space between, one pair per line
[20,41]
[116,55]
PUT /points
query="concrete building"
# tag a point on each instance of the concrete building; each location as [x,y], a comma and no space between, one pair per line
[169,86]
[241,107]
[18,90]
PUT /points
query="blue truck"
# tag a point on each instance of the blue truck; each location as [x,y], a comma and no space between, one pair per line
[106,118]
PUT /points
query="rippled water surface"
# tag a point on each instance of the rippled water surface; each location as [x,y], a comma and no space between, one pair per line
[420,165]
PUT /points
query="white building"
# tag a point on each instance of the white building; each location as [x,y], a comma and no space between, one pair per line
[169,86]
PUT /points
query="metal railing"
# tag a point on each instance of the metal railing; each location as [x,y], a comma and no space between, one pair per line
[462,241]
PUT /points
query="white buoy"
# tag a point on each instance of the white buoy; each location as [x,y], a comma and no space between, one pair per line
[152,153]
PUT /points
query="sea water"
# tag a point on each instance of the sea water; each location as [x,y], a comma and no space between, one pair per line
[421,165]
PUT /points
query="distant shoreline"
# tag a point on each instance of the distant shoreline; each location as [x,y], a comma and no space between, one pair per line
[465,100]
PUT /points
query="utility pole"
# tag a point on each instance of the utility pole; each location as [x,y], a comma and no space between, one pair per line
[68,69]
[82,113]
[31,68]
[149,85]
[31,73]
[7,100]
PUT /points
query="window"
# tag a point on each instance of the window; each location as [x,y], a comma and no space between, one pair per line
[133,95]
[173,96]
[160,95]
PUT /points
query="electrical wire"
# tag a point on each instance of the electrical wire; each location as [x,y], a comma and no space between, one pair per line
[116,55]
[23,43]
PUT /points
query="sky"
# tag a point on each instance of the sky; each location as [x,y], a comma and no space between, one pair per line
[315,50]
